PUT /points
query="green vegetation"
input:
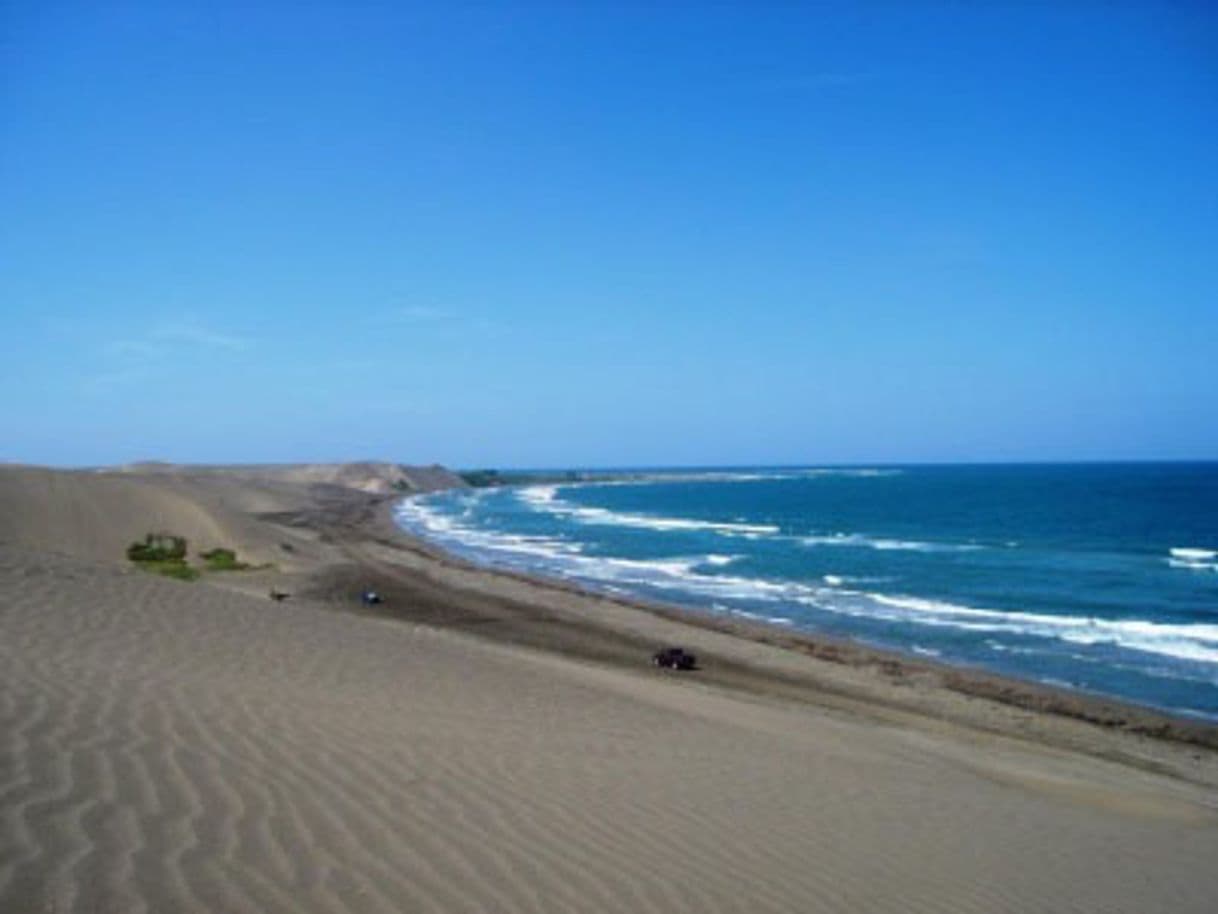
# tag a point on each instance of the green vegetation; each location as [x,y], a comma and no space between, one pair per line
[171,569]
[158,547]
[162,553]
[165,553]
[482,479]
[223,560]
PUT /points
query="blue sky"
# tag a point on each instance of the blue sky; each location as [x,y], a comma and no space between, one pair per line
[549,235]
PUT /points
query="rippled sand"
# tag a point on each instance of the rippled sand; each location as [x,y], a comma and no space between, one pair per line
[170,747]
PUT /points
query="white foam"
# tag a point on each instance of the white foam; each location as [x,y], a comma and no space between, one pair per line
[850,472]
[416,513]
[1194,642]
[545,498]
[1183,641]
[709,476]
[841,580]
[1056,682]
[1194,555]
[1193,558]
[565,558]
[1193,566]
[861,541]
[759,475]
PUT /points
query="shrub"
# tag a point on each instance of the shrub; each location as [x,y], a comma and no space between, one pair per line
[482,479]
[162,553]
[220,559]
[170,569]
[158,547]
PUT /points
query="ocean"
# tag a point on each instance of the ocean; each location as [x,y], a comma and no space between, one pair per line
[1101,578]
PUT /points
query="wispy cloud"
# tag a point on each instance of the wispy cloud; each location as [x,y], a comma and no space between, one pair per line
[195,334]
[131,350]
[163,347]
[417,314]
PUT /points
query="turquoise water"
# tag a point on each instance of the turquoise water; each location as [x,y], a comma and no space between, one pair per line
[1102,578]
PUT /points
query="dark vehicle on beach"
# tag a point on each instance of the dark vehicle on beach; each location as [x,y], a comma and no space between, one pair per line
[675,658]
[371,598]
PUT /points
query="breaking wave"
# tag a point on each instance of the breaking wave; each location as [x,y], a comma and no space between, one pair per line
[1192,558]
[1198,642]
[755,475]
[701,579]
[860,541]
[545,498]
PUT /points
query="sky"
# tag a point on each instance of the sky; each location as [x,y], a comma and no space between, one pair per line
[549,235]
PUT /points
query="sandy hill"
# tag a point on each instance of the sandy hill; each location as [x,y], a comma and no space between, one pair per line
[181,748]
[96,513]
[365,475]
[192,748]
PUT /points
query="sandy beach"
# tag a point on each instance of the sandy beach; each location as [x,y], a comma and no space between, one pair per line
[486,742]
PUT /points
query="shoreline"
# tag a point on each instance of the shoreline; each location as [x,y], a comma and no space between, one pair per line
[1149,654]
[516,607]
[1093,707]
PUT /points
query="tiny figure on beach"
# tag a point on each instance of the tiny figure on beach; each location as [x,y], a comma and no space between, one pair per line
[371,598]
[675,658]
[278,595]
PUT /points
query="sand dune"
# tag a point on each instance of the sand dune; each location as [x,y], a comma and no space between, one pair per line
[96,515]
[171,747]
[365,475]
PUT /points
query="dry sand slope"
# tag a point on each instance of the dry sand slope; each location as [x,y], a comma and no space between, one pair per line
[171,747]
[96,514]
